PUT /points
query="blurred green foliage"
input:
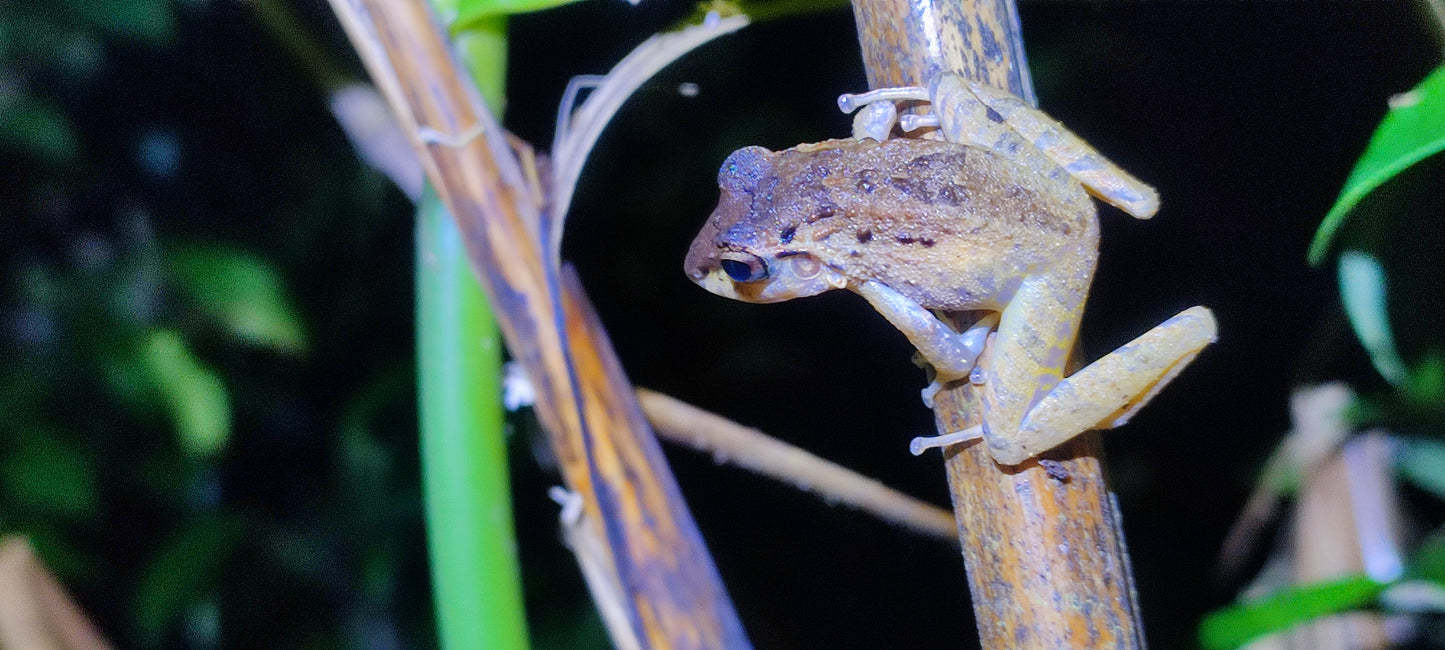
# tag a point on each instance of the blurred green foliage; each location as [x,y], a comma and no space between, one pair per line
[196,467]
[1384,234]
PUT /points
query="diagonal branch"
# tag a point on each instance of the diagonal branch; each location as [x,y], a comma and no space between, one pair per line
[630,505]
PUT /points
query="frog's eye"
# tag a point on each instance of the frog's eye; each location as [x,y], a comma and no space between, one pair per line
[744,267]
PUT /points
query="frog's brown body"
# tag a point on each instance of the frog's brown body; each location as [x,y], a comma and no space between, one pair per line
[997,219]
[935,221]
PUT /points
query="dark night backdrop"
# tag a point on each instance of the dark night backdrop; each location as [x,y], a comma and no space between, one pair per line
[1247,117]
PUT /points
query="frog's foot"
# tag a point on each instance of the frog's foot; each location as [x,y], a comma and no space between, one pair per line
[930,391]
[879,113]
[976,376]
[875,121]
[924,443]
[976,338]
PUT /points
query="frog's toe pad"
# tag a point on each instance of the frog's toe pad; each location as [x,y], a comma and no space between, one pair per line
[924,443]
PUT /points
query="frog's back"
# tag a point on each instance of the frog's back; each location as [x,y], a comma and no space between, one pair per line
[901,210]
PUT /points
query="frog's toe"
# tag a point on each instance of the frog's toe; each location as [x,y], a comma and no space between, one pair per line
[849,102]
[924,443]
[930,391]
[911,123]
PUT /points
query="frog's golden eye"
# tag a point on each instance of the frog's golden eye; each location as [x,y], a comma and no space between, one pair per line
[744,267]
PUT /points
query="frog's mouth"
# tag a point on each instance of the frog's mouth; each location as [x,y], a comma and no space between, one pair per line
[742,275]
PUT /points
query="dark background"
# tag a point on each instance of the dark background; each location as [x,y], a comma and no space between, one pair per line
[1246,117]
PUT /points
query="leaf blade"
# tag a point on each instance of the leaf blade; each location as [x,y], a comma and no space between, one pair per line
[244,293]
[1414,129]
[1233,626]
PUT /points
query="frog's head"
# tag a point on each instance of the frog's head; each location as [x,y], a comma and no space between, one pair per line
[743,250]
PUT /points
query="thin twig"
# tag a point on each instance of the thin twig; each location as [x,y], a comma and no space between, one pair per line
[756,451]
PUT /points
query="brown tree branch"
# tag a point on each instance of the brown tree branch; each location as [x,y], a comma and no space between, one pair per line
[1046,561]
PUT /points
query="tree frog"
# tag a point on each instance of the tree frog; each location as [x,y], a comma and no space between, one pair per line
[996,217]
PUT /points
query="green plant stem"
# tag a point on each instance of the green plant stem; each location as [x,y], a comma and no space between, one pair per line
[476,581]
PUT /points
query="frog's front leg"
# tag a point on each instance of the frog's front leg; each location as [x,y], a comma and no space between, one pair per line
[952,354]
[974,338]
[1103,395]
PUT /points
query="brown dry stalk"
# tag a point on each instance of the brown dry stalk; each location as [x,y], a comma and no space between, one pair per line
[753,450]
[35,611]
[632,511]
[1046,561]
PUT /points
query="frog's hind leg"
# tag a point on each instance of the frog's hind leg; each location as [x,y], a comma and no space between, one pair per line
[1107,392]
[1102,178]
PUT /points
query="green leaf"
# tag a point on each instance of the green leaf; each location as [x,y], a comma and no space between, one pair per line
[187,566]
[151,21]
[38,127]
[60,552]
[1426,388]
[1413,130]
[193,394]
[468,11]
[1429,560]
[243,292]
[51,477]
[1236,625]
[1362,289]
[1422,462]
[759,11]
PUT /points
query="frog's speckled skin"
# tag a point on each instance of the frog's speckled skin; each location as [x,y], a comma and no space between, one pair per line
[950,227]
[915,225]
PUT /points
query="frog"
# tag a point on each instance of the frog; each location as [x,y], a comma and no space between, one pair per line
[992,213]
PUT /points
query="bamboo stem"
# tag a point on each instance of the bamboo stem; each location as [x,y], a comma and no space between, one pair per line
[1046,561]
[476,579]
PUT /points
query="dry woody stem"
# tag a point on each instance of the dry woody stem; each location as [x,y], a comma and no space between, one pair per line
[630,512]
[1046,562]
[753,450]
